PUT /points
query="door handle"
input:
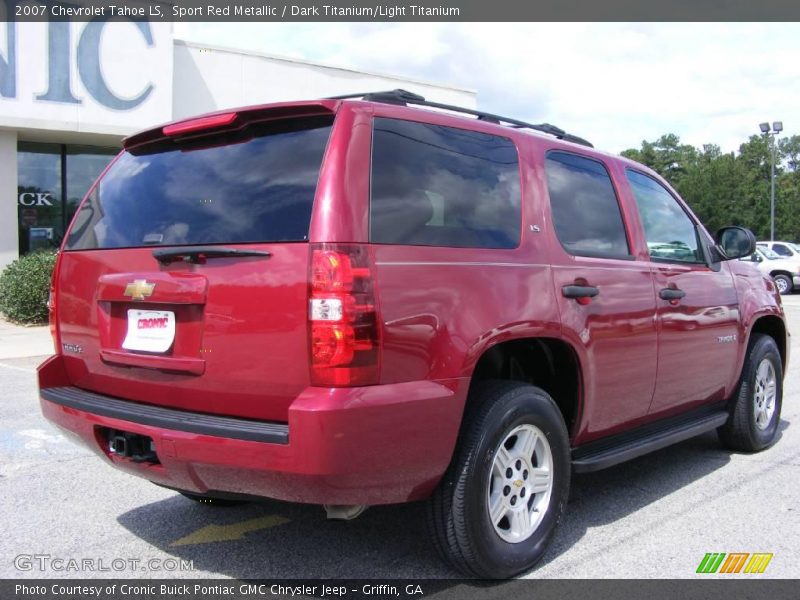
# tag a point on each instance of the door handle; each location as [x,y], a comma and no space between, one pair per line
[671,294]
[579,291]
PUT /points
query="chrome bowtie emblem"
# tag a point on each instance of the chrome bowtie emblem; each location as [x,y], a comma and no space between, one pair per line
[139,289]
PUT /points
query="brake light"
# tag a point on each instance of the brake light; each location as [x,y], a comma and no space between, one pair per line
[344,333]
[199,124]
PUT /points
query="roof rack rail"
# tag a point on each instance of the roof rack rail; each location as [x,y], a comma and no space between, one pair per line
[404,98]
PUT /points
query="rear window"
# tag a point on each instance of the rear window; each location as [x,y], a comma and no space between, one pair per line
[258,187]
[442,186]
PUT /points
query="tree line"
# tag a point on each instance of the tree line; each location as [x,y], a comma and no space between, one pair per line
[732,188]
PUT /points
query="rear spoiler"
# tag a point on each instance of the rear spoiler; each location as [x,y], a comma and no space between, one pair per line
[228,121]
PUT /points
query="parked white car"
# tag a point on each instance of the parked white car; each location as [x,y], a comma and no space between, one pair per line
[785,271]
[782,249]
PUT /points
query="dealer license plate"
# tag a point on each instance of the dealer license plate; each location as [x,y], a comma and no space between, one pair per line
[150,330]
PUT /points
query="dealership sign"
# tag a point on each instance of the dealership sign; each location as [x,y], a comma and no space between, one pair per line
[35,199]
[101,76]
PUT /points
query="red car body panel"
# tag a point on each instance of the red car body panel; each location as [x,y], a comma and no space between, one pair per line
[229,331]
[407,429]
[242,346]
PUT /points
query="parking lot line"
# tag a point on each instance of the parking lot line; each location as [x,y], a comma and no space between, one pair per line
[232,531]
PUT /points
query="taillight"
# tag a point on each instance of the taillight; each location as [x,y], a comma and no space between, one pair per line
[52,304]
[343,318]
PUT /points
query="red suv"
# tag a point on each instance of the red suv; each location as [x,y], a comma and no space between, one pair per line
[379,299]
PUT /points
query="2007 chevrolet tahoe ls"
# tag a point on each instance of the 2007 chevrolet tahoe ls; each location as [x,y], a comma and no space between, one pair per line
[379,299]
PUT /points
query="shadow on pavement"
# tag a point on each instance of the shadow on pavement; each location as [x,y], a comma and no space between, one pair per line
[603,497]
[392,541]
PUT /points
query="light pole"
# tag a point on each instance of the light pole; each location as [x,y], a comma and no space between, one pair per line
[777,127]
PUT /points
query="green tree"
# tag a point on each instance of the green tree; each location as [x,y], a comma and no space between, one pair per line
[731,188]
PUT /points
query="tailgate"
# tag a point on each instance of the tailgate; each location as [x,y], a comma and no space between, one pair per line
[220,325]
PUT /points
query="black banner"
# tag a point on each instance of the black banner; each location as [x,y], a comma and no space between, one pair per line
[399,10]
[735,588]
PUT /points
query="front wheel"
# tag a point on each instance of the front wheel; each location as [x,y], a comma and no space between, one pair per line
[783,283]
[756,408]
[496,510]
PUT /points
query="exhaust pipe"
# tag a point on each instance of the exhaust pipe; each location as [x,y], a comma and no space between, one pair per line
[344,512]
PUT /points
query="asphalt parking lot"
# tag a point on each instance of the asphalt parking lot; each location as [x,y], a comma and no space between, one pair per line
[654,517]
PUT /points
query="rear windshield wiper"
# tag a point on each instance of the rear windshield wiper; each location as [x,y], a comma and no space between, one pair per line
[199,254]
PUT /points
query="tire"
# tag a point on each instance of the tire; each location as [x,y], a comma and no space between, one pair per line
[756,405]
[208,501]
[783,283]
[508,414]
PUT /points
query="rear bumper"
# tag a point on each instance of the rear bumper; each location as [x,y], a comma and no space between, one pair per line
[372,445]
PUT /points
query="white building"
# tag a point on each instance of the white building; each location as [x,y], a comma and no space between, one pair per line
[69,93]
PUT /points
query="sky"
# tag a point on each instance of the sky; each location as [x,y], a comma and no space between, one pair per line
[615,84]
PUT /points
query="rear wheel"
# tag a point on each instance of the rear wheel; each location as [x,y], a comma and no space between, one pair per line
[496,510]
[756,408]
[783,283]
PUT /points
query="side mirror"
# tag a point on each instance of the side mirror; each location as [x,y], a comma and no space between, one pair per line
[735,242]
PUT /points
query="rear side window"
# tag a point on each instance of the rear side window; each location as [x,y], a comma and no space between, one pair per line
[255,188]
[586,212]
[781,249]
[441,186]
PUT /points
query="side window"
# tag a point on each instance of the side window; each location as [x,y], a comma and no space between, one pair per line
[441,186]
[671,234]
[586,212]
[781,249]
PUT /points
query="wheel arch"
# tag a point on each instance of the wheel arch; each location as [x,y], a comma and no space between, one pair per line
[774,327]
[777,272]
[549,363]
